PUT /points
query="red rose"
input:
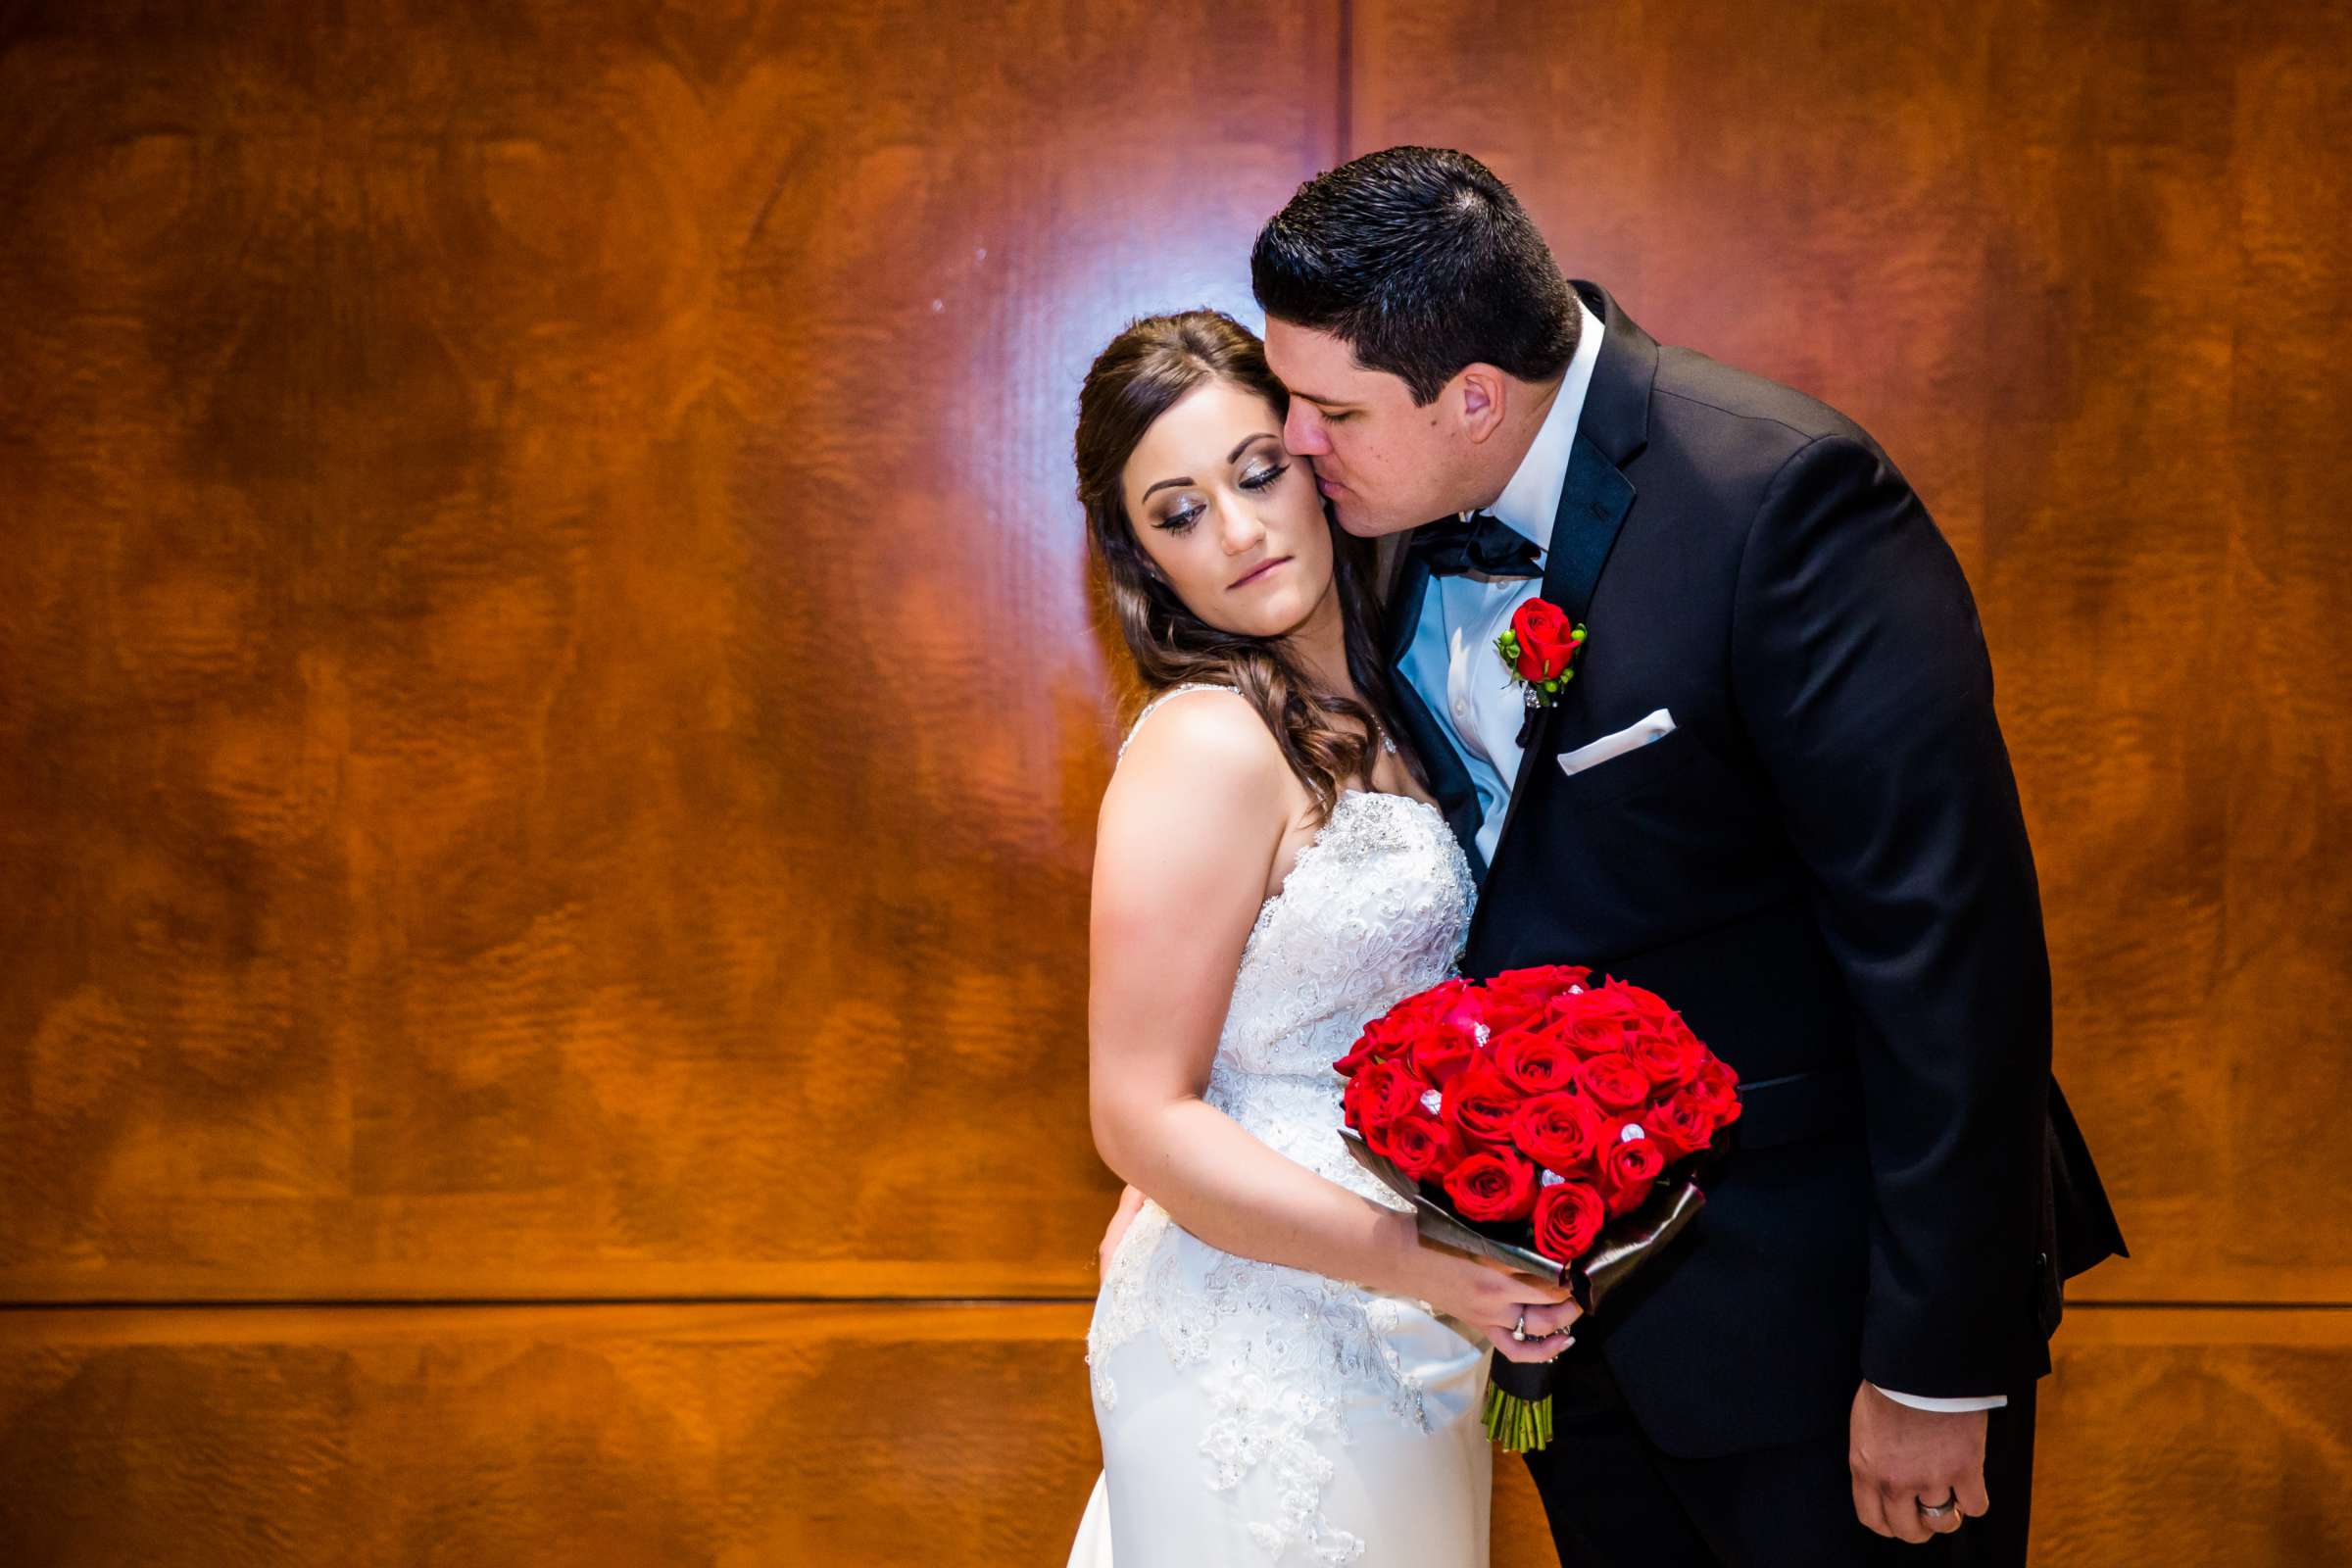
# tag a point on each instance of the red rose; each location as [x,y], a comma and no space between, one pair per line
[1568,1220]
[1588,1036]
[1597,1020]
[1493,1184]
[1521,999]
[1559,1132]
[1453,1003]
[1362,1053]
[1627,1171]
[1377,1096]
[1421,1145]
[1437,1057]
[1570,983]
[1479,1105]
[1546,640]
[1387,1035]
[1615,1002]
[1671,1057]
[1721,1087]
[1612,1082]
[1680,1124]
[1533,1064]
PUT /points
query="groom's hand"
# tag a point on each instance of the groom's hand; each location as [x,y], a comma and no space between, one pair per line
[1902,1457]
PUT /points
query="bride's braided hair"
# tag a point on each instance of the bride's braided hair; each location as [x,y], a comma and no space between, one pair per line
[1143,373]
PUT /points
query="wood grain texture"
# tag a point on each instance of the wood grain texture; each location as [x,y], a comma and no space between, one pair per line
[635,1437]
[2210,1439]
[2082,269]
[671,1437]
[550,715]
[549,719]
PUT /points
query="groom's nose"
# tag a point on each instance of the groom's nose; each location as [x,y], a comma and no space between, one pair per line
[1303,429]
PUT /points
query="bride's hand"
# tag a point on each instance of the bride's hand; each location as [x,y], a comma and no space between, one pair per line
[1130,1200]
[1490,1298]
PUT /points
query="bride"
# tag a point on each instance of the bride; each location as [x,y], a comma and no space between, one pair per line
[1280,1371]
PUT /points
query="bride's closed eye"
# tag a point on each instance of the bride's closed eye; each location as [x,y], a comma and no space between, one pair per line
[1256,479]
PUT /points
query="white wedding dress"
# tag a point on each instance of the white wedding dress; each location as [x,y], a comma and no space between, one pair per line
[1252,1413]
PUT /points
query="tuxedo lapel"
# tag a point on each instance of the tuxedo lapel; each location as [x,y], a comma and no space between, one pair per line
[1594,502]
[1614,428]
[1448,777]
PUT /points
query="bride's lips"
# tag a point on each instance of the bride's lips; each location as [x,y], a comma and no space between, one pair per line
[1259,572]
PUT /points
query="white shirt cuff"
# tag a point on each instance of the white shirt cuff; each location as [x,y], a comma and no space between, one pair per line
[1946,1406]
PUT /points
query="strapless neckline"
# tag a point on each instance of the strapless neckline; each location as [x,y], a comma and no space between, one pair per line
[1320,834]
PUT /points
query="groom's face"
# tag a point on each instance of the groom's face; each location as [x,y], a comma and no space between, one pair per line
[1384,463]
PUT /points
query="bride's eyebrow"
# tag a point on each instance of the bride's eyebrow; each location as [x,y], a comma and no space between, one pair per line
[1248,441]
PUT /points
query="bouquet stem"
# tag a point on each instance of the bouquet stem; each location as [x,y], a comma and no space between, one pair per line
[1516,1425]
[1518,1407]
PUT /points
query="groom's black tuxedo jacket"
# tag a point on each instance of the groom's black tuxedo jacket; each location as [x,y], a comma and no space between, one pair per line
[1825,869]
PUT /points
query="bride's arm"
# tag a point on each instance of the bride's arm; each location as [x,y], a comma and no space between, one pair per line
[1183,849]
[1186,842]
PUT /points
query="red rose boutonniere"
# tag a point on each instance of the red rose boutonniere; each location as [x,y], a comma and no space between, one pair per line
[1538,650]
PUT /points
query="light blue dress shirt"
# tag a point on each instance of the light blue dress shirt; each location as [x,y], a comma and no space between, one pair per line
[1451,661]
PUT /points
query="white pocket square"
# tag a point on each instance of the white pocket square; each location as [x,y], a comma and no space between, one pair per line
[1656,728]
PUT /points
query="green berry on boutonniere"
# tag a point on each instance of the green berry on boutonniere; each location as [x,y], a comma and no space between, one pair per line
[1538,650]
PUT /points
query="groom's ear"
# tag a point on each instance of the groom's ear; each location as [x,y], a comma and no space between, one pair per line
[1478,393]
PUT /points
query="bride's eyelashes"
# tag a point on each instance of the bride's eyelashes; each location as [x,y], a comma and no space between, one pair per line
[1181,522]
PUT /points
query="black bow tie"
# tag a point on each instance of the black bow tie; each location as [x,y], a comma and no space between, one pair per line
[1484,544]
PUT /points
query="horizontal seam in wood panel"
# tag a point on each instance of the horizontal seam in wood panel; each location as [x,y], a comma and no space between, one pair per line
[2204,1304]
[233,1303]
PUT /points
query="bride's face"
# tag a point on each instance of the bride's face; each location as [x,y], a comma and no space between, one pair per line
[1231,520]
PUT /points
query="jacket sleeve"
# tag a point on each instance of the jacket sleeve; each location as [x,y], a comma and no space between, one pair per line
[1861,674]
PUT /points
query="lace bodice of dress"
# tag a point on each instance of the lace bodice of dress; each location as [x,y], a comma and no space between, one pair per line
[1375,908]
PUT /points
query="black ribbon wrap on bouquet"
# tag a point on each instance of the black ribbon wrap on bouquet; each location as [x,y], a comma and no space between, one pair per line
[1518,1407]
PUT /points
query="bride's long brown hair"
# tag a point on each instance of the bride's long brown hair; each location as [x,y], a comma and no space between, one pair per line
[1146,369]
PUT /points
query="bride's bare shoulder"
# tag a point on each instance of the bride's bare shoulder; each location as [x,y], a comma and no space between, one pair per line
[1190,826]
[1207,747]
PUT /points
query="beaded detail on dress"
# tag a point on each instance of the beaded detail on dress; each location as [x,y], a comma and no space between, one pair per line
[1375,908]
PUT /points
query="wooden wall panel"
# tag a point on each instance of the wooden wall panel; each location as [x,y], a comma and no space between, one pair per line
[2208,1438]
[646,1437]
[2083,268]
[549,728]
[634,1437]
[550,718]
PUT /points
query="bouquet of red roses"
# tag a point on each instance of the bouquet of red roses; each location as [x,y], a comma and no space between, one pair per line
[1552,1124]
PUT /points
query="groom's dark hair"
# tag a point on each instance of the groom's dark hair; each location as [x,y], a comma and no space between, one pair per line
[1422,262]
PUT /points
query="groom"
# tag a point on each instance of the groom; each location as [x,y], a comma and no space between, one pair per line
[1776,793]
